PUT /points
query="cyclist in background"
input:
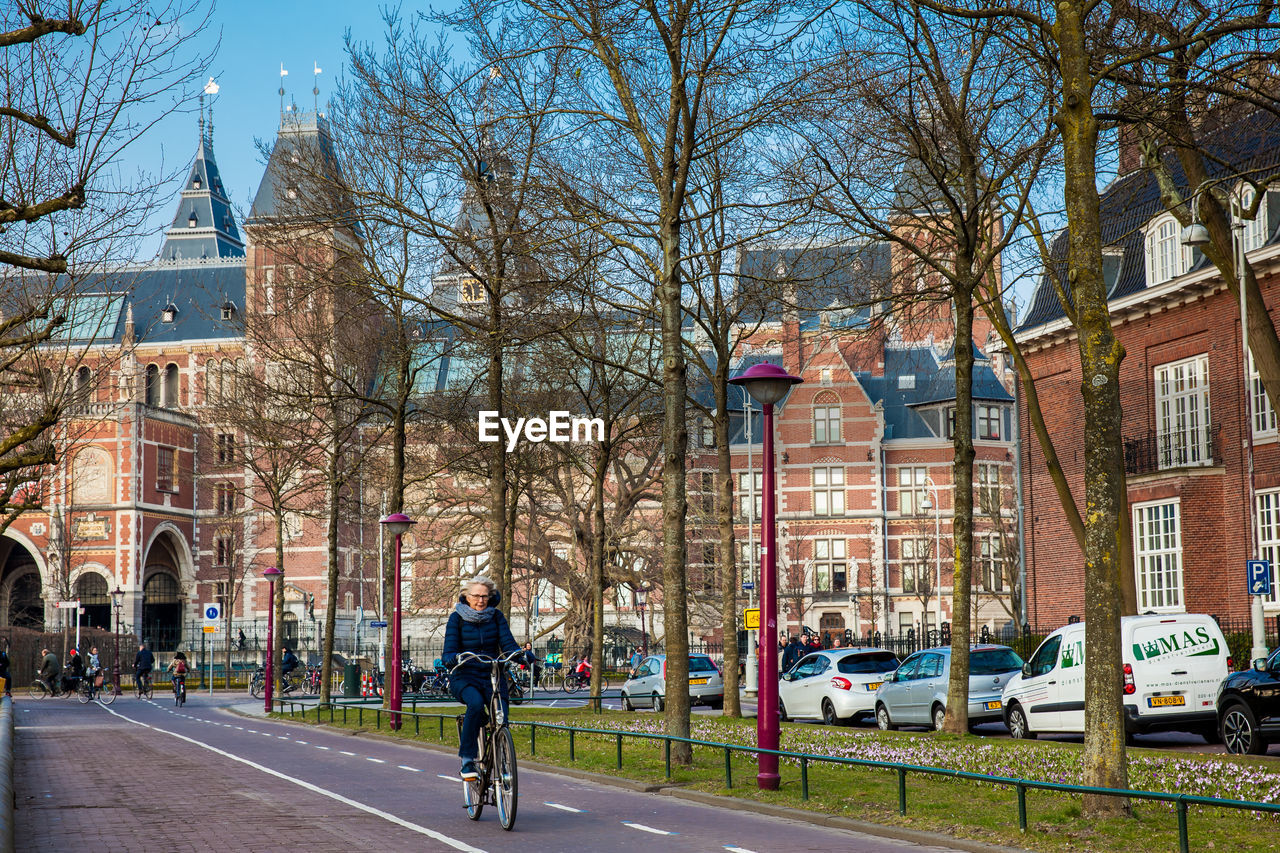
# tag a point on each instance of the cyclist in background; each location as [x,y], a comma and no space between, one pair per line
[74,672]
[143,662]
[50,669]
[178,666]
[475,625]
[288,663]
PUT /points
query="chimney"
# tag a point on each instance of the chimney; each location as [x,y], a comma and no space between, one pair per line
[1130,158]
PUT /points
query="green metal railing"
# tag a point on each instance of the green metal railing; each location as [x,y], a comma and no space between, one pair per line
[1181,802]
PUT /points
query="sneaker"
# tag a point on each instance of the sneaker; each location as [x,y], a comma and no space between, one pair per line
[469,771]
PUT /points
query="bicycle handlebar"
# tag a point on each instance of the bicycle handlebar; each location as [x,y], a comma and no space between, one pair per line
[463,657]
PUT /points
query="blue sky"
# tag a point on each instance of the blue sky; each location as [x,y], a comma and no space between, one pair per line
[256,37]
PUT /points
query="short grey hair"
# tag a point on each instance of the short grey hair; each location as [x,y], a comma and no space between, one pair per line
[480,579]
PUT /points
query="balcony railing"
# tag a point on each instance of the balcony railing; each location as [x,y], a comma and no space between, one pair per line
[1159,450]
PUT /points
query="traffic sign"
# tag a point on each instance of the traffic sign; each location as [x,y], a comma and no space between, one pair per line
[1259,576]
[211,629]
[748,585]
[751,619]
[212,613]
[68,605]
[377,624]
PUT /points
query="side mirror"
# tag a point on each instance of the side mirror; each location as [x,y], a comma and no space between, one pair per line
[1260,664]
[897,676]
[1026,670]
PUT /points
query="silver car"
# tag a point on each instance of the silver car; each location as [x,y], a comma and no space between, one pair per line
[916,694]
[837,685]
[648,687]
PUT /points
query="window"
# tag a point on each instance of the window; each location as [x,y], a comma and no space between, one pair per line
[750,494]
[707,491]
[222,551]
[1157,547]
[915,565]
[1182,412]
[826,423]
[470,292]
[906,622]
[1269,537]
[1255,230]
[171,386]
[708,433]
[748,560]
[911,489]
[987,475]
[164,469]
[269,291]
[292,524]
[989,422]
[1046,657]
[1264,414]
[950,428]
[153,385]
[1166,256]
[990,566]
[828,491]
[830,568]
[225,498]
[220,591]
[226,447]
[84,384]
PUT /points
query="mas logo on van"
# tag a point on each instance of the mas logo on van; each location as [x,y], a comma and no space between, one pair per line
[1192,644]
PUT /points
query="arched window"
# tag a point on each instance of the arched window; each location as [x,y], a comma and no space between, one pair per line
[91,589]
[84,383]
[1167,258]
[153,385]
[171,386]
[1255,230]
[213,381]
[230,384]
[826,419]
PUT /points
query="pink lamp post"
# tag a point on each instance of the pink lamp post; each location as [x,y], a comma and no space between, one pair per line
[768,384]
[398,525]
[271,573]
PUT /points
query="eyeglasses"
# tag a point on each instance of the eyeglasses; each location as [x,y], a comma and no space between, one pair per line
[483,595]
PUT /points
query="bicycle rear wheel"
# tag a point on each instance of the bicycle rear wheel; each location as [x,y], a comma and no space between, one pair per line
[84,692]
[570,683]
[257,685]
[38,690]
[604,684]
[506,786]
[147,690]
[107,693]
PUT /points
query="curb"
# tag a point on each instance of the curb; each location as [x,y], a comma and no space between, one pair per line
[880,830]
[7,793]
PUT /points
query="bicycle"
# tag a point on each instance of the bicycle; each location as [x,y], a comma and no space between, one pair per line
[90,689]
[311,681]
[179,690]
[574,681]
[40,689]
[258,683]
[142,686]
[498,783]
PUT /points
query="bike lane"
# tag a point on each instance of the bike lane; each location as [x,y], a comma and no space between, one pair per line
[401,782]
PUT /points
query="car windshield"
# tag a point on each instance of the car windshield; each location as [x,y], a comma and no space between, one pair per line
[993,661]
[701,664]
[870,662]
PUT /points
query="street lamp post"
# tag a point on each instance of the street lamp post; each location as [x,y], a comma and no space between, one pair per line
[937,547]
[768,384]
[271,573]
[641,600]
[397,524]
[117,603]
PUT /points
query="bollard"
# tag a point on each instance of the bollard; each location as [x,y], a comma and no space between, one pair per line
[666,748]
[902,791]
[571,733]
[533,739]
[804,779]
[619,750]
[728,767]
[1184,845]
[1022,807]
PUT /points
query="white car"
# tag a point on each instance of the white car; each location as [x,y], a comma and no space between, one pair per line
[835,686]
[1172,666]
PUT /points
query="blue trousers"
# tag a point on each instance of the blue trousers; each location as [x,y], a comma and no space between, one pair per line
[476,698]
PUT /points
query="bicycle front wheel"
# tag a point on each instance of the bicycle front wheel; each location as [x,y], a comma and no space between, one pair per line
[604,684]
[257,686]
[570,684]
[473,797]
[107,694]
[506,787]
[38,690]
[84,693]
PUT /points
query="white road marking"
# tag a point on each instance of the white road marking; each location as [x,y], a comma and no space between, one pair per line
[375,760]
[303,742]
[253,731]
[422,830]
[322,747]
[644,828]
[240,728]
[410,769]
[352,754]
[450,778]
[282,737]
[733,849]
[563,808]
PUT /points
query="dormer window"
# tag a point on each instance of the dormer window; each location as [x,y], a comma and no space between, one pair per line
[1166,257]
[195,183]
[169,314]
[192,222]
[1255,230]
[228,310]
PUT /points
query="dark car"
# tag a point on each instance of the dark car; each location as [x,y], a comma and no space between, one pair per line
[1249,707]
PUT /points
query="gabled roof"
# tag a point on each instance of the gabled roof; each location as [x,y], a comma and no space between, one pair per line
[1250,146]
[203,227]
[843,281]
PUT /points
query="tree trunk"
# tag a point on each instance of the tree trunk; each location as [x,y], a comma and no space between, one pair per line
[598,474]
[957,719]
[1105,760]
[277,606]
[497,481]
[331,590]
[728,561]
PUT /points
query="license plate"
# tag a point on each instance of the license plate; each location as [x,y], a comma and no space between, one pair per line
[698,680]
[872,687]
[992,706]
[1165,701]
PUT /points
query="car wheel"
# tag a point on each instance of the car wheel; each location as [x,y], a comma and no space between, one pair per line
[783,717]
[1018,727]
[882,719]
[829,714]
[657,702]
[939,717]
[626,703]
[1240,732]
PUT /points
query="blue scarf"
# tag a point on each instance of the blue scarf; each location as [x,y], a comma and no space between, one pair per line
[470,614]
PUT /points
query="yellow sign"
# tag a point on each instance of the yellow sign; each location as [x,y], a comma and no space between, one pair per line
[211,629]
[751,619]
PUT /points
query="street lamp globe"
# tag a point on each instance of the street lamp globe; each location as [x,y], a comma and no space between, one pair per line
[1195,235]
[766,383]
[398,524]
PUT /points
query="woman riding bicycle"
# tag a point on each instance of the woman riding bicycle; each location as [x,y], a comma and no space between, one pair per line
[476,625]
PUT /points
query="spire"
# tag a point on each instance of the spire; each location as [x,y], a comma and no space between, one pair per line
[203,226]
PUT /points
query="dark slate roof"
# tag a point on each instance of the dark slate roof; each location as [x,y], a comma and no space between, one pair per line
[204,227]
[1250,146]
[302,148]
[841,281]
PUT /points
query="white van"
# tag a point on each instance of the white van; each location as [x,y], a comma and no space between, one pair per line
[1173,665]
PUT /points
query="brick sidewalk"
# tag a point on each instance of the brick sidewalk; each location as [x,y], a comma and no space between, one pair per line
[86,780]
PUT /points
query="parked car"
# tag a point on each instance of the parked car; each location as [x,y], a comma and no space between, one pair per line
[1173,665]
[836,686]
[1249,707]
[916,693]
[648,687]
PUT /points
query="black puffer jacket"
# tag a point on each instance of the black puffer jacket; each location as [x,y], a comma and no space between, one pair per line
[490,638]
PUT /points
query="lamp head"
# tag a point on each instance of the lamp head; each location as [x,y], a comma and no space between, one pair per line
[272,573]
[1195,235]
[117,594]
[398,523]
[766,383]
[925,503]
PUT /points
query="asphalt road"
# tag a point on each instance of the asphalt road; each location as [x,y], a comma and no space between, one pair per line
[147,775]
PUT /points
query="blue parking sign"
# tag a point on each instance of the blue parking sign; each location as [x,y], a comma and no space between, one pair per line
[1259,576]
